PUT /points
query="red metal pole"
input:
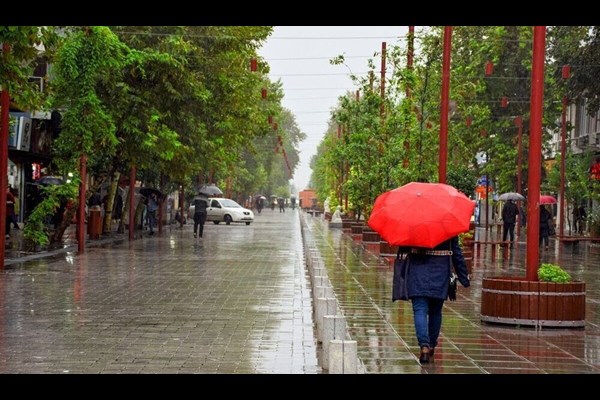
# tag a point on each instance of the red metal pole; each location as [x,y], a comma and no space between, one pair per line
[445,100]
[81,208]
[535,152]
[410,54]
[409,65]
[5,104]
[563,154]
[383,55]
[519,122]
[131,202]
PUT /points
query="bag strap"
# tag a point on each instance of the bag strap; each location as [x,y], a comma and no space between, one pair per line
[398,255]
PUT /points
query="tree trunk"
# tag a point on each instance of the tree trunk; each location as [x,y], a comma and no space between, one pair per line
[110,201]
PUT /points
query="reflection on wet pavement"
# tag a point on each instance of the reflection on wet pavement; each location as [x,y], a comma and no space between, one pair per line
[235,301]
[385,333]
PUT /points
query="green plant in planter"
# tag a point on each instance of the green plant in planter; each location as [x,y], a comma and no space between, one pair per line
[593,220]
[553,273]
[463,236]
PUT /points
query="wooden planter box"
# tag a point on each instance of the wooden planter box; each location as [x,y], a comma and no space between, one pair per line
[371,240]
[347,224]
[388,251]
[515,301]
[468,256]
[357,230]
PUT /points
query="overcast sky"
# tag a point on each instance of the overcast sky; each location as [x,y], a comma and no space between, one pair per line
[299,56]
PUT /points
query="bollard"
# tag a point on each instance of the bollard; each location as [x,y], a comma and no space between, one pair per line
[319,291]
[320,307]
[334,328]
[324,306]
[343,357]
[320,280]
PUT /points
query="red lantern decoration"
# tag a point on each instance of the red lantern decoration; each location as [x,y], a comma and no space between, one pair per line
[469,121]
[429,126]
[253,65]
[566,71]
[504,102]
[263,93]
[483,133]
[275,126]
[489,68]
[518,121]
[270,119]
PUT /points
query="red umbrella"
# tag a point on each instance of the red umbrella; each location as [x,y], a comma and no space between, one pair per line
[547,199]
[421,214]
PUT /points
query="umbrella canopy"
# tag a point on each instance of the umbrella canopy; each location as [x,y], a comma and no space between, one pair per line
[146,191]
[210,190]
[421,214]
[50,180]
[511,196]
[547,199]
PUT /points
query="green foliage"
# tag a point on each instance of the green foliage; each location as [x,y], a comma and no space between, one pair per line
[553,273]
[463,236]
[36,230]
[462,178]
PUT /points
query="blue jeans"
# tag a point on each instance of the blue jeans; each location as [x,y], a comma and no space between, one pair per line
[428,319]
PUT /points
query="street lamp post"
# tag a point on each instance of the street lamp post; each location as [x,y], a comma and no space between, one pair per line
[563,153]
[443,159]
[5,104]
[535,152]
[519,124]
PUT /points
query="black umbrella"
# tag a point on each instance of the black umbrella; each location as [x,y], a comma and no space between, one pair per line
[50,180]
[210,190]
[147,191]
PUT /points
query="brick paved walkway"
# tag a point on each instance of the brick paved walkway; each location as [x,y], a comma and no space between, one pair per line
[236,301]
[385,333]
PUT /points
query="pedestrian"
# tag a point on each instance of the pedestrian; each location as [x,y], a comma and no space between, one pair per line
[200,206]
[281,203]
[581,217]
[151,207]
[509,219]
[428,280]
[545,222]
[10,210]
[14,220]
[259,204]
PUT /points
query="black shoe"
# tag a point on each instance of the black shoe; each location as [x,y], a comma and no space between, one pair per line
[424,357]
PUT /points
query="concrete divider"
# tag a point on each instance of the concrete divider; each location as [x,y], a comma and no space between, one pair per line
[334,328]
[324,306]
[343,357]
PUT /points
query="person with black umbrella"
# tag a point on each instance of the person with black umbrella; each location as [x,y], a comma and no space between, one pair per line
[200,206]
[509,219]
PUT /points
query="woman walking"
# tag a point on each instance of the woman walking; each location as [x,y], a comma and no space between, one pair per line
[428,280]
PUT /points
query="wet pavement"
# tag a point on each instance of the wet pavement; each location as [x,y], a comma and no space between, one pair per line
[238,301]
[235,301]
[385,333]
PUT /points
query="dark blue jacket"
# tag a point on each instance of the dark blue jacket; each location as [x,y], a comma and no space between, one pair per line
[429,275]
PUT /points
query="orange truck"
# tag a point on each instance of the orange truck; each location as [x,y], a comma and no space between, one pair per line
[308,199]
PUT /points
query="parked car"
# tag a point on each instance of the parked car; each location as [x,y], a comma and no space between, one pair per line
[225,210]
